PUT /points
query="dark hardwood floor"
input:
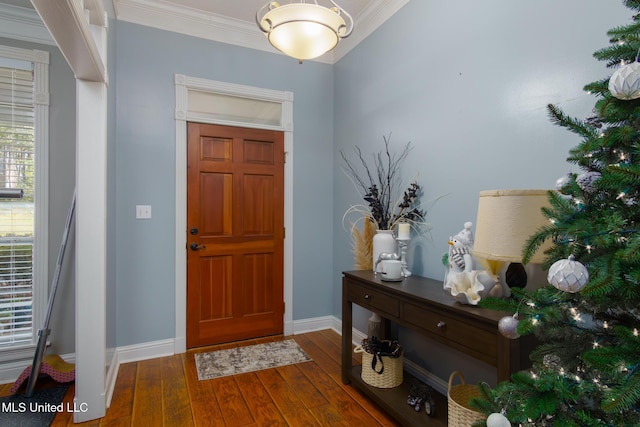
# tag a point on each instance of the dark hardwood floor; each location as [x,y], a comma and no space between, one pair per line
[166,392]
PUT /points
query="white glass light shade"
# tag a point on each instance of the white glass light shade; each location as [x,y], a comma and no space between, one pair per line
[625,82]
[506,219]
[303,30]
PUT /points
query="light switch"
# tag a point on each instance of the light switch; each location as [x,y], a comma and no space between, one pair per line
[143,211]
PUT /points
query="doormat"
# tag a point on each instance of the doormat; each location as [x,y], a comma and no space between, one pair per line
[239,360]
[38,410]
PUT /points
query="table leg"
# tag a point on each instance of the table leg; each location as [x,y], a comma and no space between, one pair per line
[347,325]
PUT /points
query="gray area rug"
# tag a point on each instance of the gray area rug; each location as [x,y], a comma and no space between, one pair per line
[36,411]
[251,358]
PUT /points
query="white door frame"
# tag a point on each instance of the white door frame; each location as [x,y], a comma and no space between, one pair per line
[182,115]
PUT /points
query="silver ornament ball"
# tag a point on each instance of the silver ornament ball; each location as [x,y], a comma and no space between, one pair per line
[508,326]
[562,182]
[497,420]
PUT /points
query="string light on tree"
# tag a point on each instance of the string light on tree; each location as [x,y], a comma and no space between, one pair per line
[575,314]
[586,369]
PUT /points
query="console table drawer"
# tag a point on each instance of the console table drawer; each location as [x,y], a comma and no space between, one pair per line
[419,304]
[374,300]
[466,336]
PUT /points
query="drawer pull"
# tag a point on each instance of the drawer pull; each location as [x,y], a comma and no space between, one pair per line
[441,325]
[366,296]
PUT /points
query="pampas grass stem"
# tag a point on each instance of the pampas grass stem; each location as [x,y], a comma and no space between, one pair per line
[362,245]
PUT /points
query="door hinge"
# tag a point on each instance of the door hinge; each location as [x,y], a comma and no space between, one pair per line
[285,156]
[284,233]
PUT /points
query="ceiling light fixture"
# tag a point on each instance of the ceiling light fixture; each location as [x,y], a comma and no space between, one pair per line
[304,30]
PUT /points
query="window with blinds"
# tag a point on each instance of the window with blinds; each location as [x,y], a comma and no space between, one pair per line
[17,172]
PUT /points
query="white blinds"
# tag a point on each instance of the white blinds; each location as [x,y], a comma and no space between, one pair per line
[16,215]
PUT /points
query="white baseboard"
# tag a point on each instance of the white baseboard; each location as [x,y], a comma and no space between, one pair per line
[9,372]
[179,345]
[426,377]
[112,375]
[312,324]
[151,350]
[134,353]
[144,351]
[288,328]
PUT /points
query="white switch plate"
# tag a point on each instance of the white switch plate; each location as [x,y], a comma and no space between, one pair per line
[143,211]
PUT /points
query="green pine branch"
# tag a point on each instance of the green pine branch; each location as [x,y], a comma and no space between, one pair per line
[576,126]
[613,54]
[586,368]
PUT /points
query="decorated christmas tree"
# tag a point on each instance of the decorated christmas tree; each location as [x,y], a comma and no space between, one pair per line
[586,368]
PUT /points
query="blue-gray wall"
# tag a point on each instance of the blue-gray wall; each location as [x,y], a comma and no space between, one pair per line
[467,83]
[146,61]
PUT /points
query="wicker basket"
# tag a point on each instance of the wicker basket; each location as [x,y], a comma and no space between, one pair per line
[458,396]
[390,377]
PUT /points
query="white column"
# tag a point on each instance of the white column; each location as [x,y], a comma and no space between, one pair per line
[79,29]
[91,243]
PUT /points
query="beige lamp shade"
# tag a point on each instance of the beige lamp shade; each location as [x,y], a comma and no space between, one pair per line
[506,220]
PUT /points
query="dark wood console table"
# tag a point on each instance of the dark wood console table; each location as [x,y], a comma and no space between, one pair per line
[422,305]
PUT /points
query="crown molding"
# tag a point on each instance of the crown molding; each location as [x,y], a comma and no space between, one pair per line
[167,16]
[24,24]
[192,22]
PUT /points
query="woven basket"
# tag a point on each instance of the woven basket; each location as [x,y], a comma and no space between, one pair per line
[458,396]
[390,377]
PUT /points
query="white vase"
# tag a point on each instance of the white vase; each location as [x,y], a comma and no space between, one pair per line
[383,241]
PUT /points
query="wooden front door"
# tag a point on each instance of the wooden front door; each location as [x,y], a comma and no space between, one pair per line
[235,233]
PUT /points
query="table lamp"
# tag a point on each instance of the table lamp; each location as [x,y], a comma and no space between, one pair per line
[506,220]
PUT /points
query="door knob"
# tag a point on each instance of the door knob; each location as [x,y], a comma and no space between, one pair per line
[196,247]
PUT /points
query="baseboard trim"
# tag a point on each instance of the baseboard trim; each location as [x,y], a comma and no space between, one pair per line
[144,351]
[9,372]
[161,348]
[112,375]
[312,324]
[426,377]
[134,353]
